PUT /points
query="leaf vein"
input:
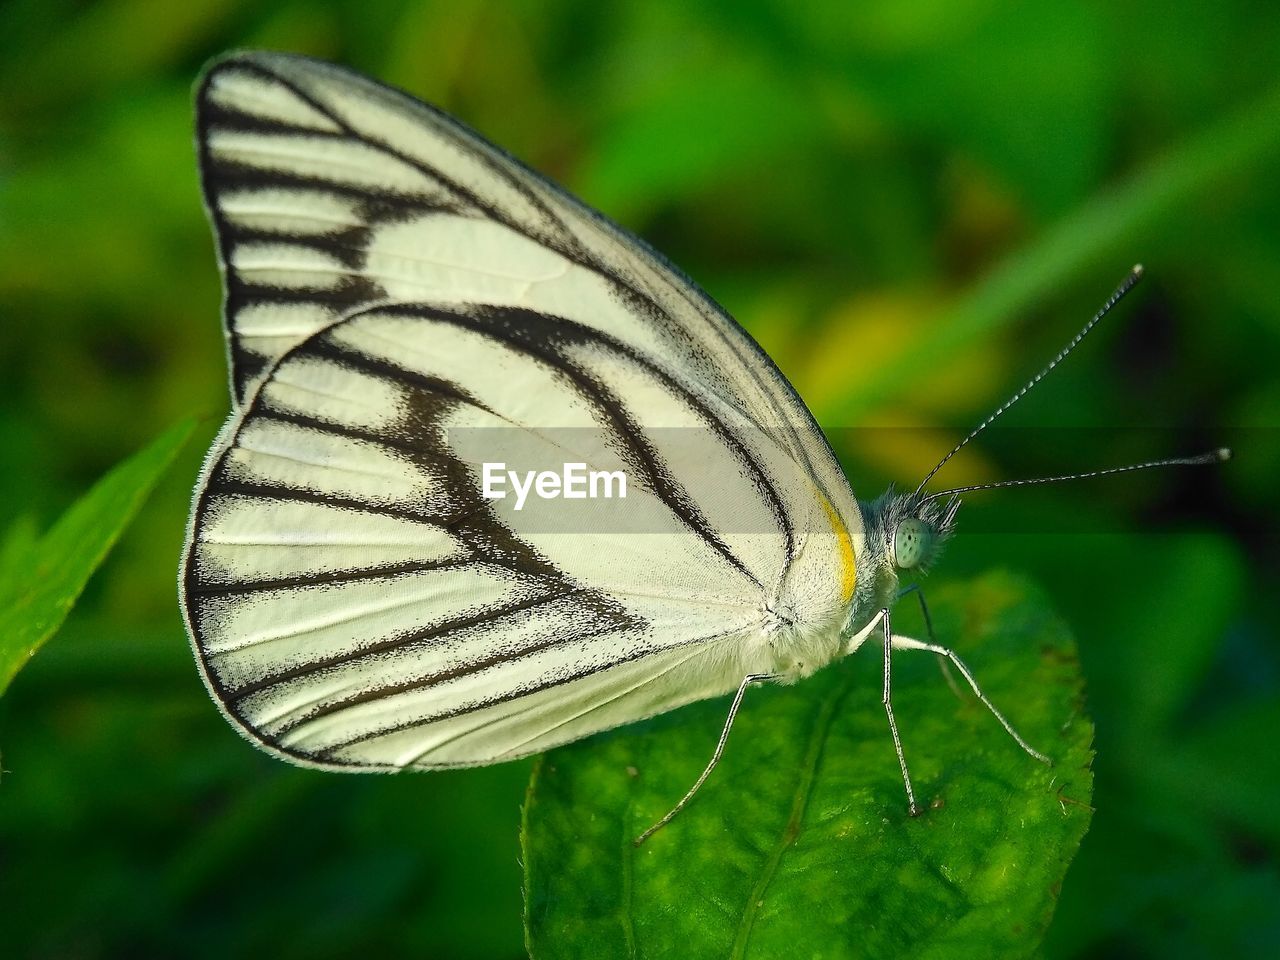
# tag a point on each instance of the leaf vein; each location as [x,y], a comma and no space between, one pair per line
[804,790]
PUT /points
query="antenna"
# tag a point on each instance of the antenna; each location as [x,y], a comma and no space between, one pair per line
[1117,295]
[1220,455]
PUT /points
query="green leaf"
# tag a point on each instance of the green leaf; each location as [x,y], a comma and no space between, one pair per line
[800,844]
[40,578]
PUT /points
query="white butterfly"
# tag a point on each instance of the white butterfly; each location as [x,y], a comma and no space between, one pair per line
[394,283]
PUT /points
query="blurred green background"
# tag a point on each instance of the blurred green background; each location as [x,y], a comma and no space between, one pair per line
[911,205]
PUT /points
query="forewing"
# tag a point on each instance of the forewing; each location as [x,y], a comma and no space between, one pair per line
[330,192]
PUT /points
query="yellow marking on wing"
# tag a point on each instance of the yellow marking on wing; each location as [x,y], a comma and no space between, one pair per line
[848,569]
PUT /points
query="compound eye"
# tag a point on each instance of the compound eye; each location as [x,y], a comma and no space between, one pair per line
[911,542]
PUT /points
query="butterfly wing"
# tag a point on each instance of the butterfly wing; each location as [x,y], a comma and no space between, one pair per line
[401,297]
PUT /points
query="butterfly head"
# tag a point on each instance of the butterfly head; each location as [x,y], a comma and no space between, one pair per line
[914,529]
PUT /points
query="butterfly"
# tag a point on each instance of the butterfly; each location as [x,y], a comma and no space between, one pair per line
[409,309]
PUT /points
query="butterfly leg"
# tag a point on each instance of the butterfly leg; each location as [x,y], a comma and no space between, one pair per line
[887,699]
[907,643]
[943,664]
[715,756]
[852,645]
